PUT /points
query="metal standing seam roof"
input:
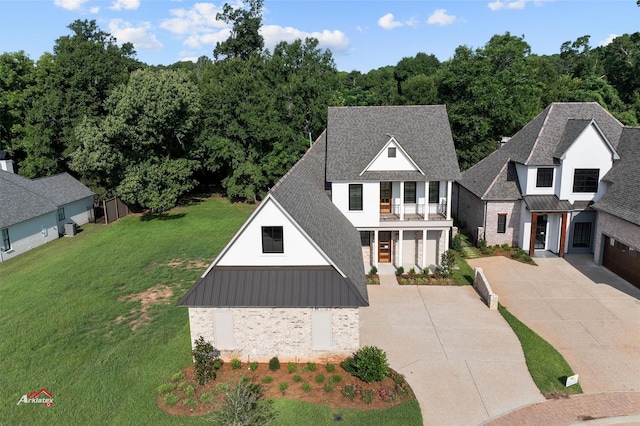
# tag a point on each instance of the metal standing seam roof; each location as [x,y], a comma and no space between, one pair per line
[301,192]
[355,135]
[546,203]
[539,143]
[622,198]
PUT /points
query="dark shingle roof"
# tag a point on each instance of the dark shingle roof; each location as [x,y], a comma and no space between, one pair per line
[622,198]
[23,198]
[355,135]
[301,192]
[539,143]
[275,286]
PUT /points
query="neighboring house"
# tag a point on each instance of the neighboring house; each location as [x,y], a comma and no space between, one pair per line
[617,240]
[391,171]
[537,189]
[291,281]
[35,211]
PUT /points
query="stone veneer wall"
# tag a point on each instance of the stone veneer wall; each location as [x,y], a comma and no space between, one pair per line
[619,229]
[512,232]
[262,333]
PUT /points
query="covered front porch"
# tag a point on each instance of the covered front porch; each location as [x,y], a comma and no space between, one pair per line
[549,223]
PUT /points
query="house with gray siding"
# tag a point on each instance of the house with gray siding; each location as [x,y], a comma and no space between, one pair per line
[35,211]
[537,190]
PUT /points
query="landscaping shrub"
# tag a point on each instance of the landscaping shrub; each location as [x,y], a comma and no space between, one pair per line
[412,271]
[207,398]
[527,258]
[191,403]
[236,364]
[283,387]
[336,378]
[171,399]
[222,387]
[166,387]
[457,243]
[371,364]
[183,385]
[253,366]
[505,247]
[447,260]
[306,387]
[350,391]
[177,377]
[349,365]
[243,404]
[311,366]
[330,367]
[206,362]
[267,379]
[189,391]
[516,255]
[320,378]
[373,270]
[367,396]
[292,367]
[274,364]
[328,387]
[400,270]
[297,378]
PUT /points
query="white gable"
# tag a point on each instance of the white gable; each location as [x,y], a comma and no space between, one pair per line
[245,249]
[383,161]
[591,143]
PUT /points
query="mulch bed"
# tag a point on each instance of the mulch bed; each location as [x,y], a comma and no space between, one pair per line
[317,394]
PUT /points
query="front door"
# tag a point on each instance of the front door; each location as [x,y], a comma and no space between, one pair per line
[385,197]
[384,246]
[541,231]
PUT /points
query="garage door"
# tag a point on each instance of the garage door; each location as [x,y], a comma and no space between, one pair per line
[622,260]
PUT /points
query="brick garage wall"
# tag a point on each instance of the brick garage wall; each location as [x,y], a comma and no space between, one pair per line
[512,232]
[619,229]
[262,333]
[470,209]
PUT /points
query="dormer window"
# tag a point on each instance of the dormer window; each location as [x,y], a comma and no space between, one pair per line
[391,152]
[272,239]
[544,178]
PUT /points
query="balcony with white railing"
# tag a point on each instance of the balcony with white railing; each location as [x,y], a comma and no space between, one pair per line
[416,212]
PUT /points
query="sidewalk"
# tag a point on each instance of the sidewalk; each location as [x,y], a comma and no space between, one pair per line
[592,409]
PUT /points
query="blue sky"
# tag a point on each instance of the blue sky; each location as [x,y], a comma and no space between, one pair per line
[362,35]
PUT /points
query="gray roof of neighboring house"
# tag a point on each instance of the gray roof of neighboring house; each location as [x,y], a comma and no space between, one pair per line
[355,135]
[541,142]
[24,199]
[273,286]
[622,198]
[301,192]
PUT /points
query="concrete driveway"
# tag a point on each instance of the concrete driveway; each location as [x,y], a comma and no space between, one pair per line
[462,360]
[586,312]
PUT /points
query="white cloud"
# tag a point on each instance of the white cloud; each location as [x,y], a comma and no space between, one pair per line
[608,40]
[94,10]
[440,17]
[125,5]
[387,22]
[334,40]
[196,41]
[199,19]
[69,4]
[124,32]
[513,4]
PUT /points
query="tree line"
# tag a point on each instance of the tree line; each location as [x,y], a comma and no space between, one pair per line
[243,117]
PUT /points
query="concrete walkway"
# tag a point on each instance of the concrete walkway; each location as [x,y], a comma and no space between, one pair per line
[590,315]
[462,360]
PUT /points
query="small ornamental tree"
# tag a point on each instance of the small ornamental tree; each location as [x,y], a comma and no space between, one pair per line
[243,405]
[206,361]
[371,364]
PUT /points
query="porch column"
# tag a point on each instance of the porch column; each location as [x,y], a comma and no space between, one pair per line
[374,249]
[399,249]
[563,234]
[449,186]
[532,237]
[445,233]
[424,249]
[401,200]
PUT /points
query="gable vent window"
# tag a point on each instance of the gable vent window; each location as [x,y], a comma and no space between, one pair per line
[544,178]
[586,180]
[391,152]
[272,239]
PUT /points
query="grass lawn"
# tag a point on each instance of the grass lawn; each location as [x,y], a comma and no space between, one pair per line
[546,365]
[68,308]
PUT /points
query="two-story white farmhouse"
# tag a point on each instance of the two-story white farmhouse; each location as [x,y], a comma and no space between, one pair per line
[291,281]
[391,170]
[536,191]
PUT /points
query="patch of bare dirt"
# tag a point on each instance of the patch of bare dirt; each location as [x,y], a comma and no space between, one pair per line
[317,394]
[139,316]
[188,264]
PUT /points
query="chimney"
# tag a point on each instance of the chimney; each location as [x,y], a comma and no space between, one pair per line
[5,163]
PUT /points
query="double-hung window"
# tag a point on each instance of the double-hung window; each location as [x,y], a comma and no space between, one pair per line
[434,192]
[502,223]
[586,180]
[272,241]
[60,214]
[410,192]
[355,196]
[6,242]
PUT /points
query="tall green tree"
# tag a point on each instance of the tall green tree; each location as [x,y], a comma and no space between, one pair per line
[17,78]
[143,149]
[72,83]
[245,38]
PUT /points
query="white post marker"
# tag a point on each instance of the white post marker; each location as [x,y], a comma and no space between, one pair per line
[571,380]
